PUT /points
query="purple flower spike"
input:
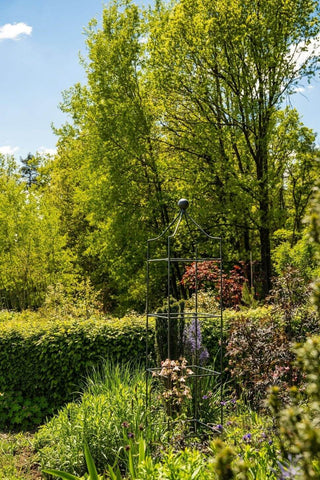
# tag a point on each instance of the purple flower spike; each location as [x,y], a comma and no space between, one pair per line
[193,341]
[204,355]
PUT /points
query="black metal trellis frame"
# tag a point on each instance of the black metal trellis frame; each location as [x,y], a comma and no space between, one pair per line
[169,316]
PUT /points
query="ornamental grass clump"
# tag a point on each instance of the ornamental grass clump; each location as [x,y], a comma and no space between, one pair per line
[113,399]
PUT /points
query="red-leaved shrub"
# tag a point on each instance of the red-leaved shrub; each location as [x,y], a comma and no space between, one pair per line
[207,276]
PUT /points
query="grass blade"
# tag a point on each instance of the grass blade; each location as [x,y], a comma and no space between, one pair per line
[113,475]
[63,475]
[90,464]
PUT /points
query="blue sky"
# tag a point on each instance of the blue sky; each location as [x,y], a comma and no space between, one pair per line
[40,41]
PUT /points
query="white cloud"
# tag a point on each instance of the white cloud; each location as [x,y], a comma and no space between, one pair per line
[301,52]
[47,151]
[299,90]
[8,150]
[13,31]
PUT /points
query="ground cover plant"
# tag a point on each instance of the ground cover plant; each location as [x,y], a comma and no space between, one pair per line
[128,447]
[18,458]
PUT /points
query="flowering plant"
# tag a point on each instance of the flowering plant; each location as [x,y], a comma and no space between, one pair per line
[174,374]
[193,342]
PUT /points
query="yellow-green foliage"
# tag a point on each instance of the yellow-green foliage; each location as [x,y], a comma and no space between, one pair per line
[43,363]
[298,424]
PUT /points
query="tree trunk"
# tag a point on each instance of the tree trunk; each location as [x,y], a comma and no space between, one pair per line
[264,205]
[265,252]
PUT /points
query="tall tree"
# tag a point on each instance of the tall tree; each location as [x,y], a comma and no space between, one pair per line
[117,178]
[33,253]
[220,70]
[294,158]
[29,170]
[184,101]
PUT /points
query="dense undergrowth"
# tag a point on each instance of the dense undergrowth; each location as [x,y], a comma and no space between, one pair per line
[259,438]
[111,419]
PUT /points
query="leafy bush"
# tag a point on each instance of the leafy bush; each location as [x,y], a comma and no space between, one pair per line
[43,363]
[77,300]
[298,425]
[260,349]
[207,276]
[259,356]
[300,257]
[291,300]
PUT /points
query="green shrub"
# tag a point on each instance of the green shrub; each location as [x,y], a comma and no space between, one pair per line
[298,425]
[43,363]
[109,417]
[301,257]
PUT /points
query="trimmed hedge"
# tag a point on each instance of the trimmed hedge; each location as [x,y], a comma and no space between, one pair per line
[43,363]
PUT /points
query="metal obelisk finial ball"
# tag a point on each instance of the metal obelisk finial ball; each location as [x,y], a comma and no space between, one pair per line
[183,204]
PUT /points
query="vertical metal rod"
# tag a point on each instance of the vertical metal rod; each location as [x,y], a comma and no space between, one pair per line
[196,339]
[221,334]
[251,272]
[168,293]
[147,329]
